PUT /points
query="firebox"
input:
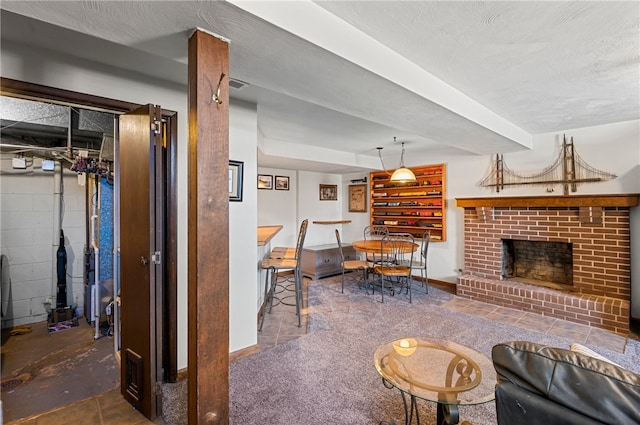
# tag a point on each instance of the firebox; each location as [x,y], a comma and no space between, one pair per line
[538,262]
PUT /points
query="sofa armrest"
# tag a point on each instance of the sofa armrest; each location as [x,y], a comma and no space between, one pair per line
[597,389]
[515,405]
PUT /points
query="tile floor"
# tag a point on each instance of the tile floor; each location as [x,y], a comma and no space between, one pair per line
[280,326]
[106,409]
[581,334]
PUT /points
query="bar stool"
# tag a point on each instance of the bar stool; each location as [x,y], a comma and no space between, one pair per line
[278,263]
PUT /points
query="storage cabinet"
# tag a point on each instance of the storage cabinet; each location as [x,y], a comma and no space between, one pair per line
[324,260]
[411,207]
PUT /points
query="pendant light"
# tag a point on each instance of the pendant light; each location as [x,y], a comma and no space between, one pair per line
[403,174]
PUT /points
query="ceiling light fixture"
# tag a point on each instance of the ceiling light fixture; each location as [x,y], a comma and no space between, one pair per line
[402,174]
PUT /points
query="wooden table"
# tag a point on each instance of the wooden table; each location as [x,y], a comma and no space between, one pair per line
[373,246]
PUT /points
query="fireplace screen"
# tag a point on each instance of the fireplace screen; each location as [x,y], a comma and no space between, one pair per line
[537,262]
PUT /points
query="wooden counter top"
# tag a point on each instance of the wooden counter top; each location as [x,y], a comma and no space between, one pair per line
[266,233]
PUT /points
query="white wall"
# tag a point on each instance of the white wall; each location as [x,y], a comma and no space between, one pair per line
[279,207]
[243,223]
[27,239]
[302,200]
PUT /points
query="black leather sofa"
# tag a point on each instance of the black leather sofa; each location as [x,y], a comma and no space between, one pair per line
[540,385]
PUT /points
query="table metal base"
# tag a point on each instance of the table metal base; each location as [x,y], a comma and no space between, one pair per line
[446,414]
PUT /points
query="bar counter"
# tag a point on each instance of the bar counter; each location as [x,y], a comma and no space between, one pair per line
[266,233]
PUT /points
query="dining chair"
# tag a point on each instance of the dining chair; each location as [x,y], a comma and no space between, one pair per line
[420,263]
[397,249]
[351,265]
[276,265]
[375,232]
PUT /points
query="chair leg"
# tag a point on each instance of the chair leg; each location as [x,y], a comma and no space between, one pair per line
[268,295]
[298,293]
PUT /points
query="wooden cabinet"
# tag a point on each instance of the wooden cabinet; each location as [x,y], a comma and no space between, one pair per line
[324,260]
[411,207]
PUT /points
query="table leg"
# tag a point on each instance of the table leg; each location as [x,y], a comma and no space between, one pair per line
[447,414]
[408,410]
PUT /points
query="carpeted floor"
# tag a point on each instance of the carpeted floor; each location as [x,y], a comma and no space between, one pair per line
[328,376]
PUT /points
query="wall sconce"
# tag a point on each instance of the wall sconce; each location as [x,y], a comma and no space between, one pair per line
[402,174]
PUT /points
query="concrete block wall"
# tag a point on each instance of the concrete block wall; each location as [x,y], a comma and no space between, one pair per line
[27,240]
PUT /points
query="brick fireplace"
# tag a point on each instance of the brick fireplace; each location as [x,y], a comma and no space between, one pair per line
[594,227]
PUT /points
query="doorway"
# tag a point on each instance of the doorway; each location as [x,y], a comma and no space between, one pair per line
[165,330]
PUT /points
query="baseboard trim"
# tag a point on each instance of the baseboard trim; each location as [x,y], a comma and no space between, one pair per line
[182,375]
[448,285]
[236,355]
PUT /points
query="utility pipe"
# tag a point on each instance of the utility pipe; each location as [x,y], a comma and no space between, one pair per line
[57,225]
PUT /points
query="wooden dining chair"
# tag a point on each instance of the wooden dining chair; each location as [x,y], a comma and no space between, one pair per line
[397,249]
[351,265]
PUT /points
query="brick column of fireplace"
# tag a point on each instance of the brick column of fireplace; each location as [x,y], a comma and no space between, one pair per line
[598,228]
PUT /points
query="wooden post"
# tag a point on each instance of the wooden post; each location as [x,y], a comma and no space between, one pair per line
[208,229]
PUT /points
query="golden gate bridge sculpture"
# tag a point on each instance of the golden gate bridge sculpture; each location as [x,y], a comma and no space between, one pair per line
[569,170]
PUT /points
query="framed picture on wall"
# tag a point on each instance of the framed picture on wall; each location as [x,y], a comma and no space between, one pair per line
[235,180]
[265,181]
[282,183]
[358,198]
[328,192]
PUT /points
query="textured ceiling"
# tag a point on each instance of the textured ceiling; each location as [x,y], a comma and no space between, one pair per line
[334,80]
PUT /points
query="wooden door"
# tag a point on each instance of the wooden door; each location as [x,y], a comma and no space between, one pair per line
[141,232]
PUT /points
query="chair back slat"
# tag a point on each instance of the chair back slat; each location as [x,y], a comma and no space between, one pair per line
[301,235]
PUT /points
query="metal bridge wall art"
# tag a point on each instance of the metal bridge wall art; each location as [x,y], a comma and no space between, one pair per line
[569,170]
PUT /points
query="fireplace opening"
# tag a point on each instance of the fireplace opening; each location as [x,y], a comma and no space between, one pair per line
[538,262]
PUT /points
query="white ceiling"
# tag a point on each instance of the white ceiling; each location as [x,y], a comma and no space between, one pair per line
[333,80]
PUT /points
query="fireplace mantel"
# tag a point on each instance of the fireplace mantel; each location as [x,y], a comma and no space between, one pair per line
[612,200]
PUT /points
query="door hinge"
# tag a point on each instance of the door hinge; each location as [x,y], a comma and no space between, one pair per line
[156,126]
[158,388]
[155,257]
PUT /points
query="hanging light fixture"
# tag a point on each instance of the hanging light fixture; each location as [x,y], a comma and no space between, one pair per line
[402,174]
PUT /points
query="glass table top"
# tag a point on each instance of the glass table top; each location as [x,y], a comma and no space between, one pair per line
[437,370]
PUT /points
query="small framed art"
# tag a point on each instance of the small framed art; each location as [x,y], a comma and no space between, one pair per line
[265,181]
[235,180]
[282,183]
[358,198]
[328,192]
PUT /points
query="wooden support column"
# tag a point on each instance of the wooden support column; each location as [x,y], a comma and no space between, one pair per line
[208,229]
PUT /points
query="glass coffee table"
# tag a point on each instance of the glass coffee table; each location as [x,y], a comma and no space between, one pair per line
[436,370]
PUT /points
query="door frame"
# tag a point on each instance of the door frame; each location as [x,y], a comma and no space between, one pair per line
[166,321]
